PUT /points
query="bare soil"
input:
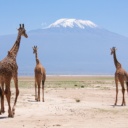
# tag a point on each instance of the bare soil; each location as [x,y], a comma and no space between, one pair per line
[78,107]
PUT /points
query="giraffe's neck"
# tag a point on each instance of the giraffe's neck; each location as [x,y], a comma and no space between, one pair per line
[36,56]
[15,48]
[117,64]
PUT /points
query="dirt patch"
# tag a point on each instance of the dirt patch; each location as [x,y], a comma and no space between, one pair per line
[67,108]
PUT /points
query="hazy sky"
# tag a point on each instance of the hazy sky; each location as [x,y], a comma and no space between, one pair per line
[109,14]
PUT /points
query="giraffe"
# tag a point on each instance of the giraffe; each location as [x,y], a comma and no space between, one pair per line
[40,76]
[9,70]
[121,76]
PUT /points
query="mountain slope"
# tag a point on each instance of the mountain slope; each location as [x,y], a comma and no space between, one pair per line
[74,48]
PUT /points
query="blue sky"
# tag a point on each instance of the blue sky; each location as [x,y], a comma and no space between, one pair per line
[109,14]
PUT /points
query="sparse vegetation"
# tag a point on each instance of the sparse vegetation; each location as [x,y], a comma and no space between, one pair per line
[75,85]
[82,86]
[77,100]
[70,82]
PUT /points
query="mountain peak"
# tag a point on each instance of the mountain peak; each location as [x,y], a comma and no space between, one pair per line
[71,23]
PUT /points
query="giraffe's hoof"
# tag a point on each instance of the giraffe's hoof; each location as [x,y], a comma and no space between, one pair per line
[13,111]
[123,104]
[2,111]
[36,99]
[11,115]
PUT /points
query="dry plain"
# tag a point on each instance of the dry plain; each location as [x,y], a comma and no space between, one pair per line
[70,102]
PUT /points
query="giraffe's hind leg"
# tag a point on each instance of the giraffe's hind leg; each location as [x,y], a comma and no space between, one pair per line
[121,79]
[8,97]
[2,98]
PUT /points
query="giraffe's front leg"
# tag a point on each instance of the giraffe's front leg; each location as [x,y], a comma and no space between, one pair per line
[38,92]
[36,98]
[123,99]
[116,82]
[17,92]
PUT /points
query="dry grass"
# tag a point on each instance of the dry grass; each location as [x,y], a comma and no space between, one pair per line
[100,82]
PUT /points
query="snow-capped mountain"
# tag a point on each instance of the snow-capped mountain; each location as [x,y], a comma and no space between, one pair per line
[69,46]
[71,23]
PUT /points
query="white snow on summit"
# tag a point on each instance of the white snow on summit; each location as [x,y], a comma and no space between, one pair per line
[72,23]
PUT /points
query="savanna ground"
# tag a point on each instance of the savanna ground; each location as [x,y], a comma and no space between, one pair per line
[70,102]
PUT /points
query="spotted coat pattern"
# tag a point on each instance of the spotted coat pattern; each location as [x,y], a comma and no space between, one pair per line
[9,70]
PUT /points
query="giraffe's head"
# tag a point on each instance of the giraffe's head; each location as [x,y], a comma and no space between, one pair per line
[35,49]
[22,31]
[113,49]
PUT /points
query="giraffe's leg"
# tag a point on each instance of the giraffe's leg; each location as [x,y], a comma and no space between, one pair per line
[127,86]
[123,90]
[17,92]
[123,93]
[43,90]
[2,98]
[36,91]
[8,96]
[123,100]
[116,82]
